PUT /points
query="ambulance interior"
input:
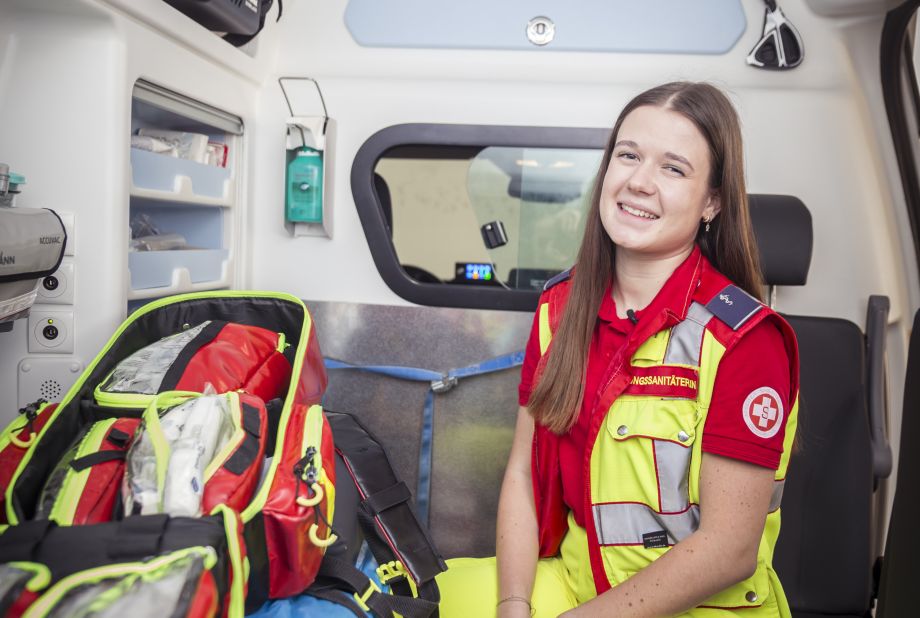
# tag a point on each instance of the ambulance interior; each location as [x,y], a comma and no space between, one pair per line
[454,158]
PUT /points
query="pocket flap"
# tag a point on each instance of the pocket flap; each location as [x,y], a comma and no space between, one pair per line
[673,420]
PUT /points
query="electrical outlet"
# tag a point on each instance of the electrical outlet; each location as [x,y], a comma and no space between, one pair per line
[67,218]
[51,332]
[58,287]
[48,378]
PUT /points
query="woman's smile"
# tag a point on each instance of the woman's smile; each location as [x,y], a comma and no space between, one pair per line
[637,211]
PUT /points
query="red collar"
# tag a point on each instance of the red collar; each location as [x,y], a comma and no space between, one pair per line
[673,298]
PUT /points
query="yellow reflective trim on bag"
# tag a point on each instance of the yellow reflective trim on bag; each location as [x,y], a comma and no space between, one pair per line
[5,438]
[16,426]
[41,577]
[108,399]
[154,430]
[239,434]
[65,504]
[126,570]
[258,501]
[240,570]
[313,436]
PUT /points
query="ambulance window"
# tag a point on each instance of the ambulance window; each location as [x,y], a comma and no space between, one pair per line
[473,225]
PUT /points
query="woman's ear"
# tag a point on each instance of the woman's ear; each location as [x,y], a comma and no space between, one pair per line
[713,207]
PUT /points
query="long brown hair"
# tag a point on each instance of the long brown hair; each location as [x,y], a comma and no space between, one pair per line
[729,245]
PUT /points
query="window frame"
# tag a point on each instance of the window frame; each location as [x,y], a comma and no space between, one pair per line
[370,211]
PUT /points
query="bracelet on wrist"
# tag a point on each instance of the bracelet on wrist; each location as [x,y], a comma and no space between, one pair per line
[519,599]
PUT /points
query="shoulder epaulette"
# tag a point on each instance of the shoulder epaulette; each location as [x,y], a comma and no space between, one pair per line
[733,306]
[563,276]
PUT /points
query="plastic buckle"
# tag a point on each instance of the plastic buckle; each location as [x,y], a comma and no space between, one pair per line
[362,600]
[444,384]
[389,571]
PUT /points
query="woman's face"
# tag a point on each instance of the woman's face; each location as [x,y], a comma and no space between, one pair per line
[656,188]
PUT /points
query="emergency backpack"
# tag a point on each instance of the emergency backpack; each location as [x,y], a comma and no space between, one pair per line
[247,360]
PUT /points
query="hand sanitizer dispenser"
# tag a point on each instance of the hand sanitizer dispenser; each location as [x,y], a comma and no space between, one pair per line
[307,208]
[304,196]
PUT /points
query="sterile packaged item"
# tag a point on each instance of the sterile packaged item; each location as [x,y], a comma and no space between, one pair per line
[206,430]
[191,146]
[191,434]
[140,489]
[143,371]
[153,144]
[160,242]
[143,225]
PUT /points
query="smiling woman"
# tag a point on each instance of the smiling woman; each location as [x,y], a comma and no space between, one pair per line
[647,456]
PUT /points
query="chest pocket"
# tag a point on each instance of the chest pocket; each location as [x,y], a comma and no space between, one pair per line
[643,455]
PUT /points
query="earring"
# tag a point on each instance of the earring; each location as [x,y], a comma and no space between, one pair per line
[706,221]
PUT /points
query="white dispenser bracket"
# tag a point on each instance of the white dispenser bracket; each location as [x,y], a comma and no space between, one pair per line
[309,129]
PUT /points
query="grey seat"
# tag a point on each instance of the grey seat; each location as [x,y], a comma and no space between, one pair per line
[824,556]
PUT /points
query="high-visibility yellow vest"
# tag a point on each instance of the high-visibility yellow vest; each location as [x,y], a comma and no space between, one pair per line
[644,485]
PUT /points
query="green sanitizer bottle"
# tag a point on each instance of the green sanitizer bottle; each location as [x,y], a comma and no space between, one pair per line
[304,193]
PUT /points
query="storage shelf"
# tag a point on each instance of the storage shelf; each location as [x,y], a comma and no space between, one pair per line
[184,195]
[182,278]
[169,179]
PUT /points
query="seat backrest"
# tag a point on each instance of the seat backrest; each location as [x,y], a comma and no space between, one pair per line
[823,556]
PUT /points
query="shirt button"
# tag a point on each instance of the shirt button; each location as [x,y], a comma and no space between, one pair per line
[751,596]
[682,436]
[622,430]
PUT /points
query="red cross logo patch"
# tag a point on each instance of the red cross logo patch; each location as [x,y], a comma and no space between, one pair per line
[763,412]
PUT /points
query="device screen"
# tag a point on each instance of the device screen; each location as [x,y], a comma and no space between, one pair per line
[475,272]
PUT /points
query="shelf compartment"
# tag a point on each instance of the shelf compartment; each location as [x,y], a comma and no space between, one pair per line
[165,178]
[159,273]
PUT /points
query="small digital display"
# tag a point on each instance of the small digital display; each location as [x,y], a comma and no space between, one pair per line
[473,272]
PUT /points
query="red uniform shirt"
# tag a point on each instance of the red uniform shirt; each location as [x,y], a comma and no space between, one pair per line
[756,362]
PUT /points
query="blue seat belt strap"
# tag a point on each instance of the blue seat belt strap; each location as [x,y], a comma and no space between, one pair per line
[437,383]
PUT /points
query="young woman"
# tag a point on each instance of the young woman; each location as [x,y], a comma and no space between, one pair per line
[658,395]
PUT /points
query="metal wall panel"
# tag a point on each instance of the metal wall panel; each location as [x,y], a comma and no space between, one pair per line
[473,423]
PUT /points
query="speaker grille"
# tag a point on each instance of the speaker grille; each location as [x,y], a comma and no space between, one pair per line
[51,390]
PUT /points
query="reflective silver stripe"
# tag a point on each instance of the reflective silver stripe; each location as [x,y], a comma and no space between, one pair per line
[687,337]
[673,464]
[624,524]
[777,498]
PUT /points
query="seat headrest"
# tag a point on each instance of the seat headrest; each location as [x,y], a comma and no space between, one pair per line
[782,227]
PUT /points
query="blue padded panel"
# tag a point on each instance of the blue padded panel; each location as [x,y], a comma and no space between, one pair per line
[644,26]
